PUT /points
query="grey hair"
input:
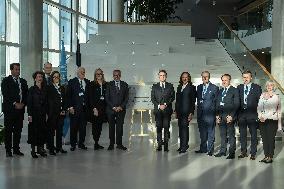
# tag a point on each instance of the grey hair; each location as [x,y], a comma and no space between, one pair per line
[273,82]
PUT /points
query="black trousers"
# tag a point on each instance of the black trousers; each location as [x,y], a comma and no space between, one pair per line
[163,122]
[12,132]
[116,121]
[97,129]
[78,123]
[251,124]
[268,131]
[55,128]
[183,132]
[227,129]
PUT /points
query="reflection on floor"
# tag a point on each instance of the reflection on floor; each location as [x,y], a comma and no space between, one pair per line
[140,167]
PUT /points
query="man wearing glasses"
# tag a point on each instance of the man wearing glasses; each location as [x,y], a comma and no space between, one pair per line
[116,100]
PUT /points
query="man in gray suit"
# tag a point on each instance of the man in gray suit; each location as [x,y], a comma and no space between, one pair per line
[162,96]
[206,109]
[117,94]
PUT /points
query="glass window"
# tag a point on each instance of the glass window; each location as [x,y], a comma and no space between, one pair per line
[65,22]
[83,6]
[45,25]
[13,21]
[2,20]
[12,56]
[66,3]
[82,30]
[93,7]
[2,61]
[52,57]
[92,28]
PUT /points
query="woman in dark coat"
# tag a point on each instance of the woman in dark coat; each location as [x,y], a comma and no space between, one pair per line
[98,105]
[36,105]
[184,108]
[56,113]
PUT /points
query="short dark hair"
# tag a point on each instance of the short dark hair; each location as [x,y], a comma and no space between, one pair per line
[189,78]
[227,75]
[247,72]
[13,65]
[119,71]
[164,71]
[36,73]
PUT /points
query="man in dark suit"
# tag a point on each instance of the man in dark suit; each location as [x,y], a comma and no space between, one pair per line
[14,91]
[117,95]
[162,96]
[206,113]
[249,95]
[77,106]
[47,69]
[184,108]
[227,106]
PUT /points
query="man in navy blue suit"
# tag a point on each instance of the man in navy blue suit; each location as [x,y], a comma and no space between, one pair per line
[249,95]
[227,106]
[206,109]
[77,106]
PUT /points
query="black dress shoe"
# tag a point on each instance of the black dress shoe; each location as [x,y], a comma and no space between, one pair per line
[52,153]
[83,147]
[98,147]
[18,152]
[243,155]
[33,154]
[268,161]
[73,148]
[159,148]
[220,154]
[263,160]
[121,147]
[200,151]
[210,153]
[178,149]
[9,154]
[252,157]
[231,156]
[110,147]
[61,151]
[182,151]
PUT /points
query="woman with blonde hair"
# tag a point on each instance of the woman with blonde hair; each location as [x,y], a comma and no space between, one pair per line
[269,115]
[97,105]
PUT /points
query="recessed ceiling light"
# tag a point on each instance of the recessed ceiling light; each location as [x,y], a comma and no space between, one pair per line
[262,52]
[245,55]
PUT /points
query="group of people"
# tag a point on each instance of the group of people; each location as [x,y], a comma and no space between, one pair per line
[48,102]
[246,106]
[98,102]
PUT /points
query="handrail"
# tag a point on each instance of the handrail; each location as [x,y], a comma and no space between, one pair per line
[253,57]
[253,5]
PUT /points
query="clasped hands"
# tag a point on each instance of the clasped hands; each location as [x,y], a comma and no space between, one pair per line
[117,109]
[229,119]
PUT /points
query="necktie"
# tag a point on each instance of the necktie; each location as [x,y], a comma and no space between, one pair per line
[163,87]
[81,86]
[204,91]
[246,94]
[117,86]
[20,89]
[246,90]
[224,93]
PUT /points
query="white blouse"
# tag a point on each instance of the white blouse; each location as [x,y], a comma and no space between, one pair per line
[269,107]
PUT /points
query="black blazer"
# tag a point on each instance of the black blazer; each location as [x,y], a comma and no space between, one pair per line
[185,100]
[115,98]
[10,91]
[74,99]
[231,103]
[56,101]
[37,101]
[96,101]
[252,101]
[206,106]
[159,97]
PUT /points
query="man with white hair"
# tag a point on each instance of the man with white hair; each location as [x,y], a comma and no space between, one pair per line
[77,106]
[47,69]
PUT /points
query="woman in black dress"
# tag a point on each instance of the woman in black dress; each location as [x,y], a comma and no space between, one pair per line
[36,105]
[56,113]
[98,105]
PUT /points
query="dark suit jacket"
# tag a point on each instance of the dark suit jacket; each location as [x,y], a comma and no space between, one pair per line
[206,106]
[252,101]
[116,98]
[73,95]
[185,100]
[96,102]
[159,97]
[55,105]
[10,92]
[231,103]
